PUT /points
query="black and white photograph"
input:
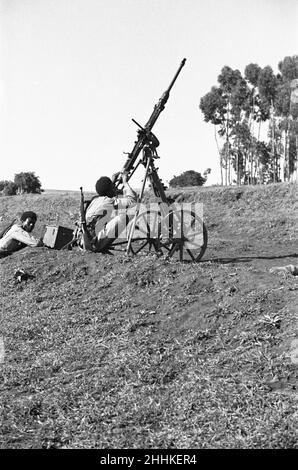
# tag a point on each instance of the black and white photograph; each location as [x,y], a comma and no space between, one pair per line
[149,228]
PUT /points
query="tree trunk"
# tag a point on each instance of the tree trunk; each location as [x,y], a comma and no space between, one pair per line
[237,166]
[228,158]
[284,166]
[273,148]
[296,166]
[287,155]
[229,164]
[258,163]
[220,155]
[252,152]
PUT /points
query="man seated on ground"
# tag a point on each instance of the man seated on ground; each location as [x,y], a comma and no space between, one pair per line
[18,235]
[106,217]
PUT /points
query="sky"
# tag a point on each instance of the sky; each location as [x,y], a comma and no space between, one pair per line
[73,74]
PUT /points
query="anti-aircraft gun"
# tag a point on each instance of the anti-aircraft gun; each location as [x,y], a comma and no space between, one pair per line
[168,228]
[145,136]
[175,230]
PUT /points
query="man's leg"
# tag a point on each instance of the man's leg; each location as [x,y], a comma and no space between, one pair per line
[111,232]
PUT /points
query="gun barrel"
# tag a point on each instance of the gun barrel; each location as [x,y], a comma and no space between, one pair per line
[158,108]
[176,75]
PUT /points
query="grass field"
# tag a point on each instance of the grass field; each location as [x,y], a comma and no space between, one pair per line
[103,351]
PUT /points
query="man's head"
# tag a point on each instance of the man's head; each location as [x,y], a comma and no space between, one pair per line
[105,187]
[28,220]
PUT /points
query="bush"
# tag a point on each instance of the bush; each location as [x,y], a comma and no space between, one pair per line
[27,182]
[10,189]
[188,178]
[4,183]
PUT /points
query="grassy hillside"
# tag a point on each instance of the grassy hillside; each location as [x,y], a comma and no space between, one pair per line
[115,352]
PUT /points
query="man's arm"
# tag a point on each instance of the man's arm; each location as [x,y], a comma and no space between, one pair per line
[129,198]
[24,237]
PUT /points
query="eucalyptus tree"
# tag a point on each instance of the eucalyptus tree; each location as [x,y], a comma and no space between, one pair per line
[251,74]
[293,150]
[233,89]
[258,112]
[264,157]
[242,138]
[223,107]
[238,106]
[287,111]
[267,85]
[212,106]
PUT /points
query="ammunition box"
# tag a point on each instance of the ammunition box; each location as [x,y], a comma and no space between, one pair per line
[57,237]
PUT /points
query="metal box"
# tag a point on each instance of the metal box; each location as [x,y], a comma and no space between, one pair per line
[57,237]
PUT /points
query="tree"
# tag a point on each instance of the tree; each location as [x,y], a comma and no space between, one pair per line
[238,106]
[242,144]
[212,106]
[264,156]
[267,83]
[27,182]
[10,188]
[252,73]
[223,106]
[187,178]
[3,183]
[257,113]
[287,114]
[289,67]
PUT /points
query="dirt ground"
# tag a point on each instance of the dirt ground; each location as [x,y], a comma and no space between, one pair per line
[106,351]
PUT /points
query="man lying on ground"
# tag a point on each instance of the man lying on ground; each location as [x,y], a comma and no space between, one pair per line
[18,235]
[102,213]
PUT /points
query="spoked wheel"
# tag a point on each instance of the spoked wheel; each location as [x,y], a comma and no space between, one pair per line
[181,234]
[188,234]
[146,236]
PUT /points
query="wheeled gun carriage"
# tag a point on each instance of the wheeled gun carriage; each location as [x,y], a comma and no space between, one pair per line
[166,227]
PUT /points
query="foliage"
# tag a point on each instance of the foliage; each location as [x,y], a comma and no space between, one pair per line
[267,84]
[8,188]
[252,73]
[27,182]
[188,178]
[289,67]
[3,183]
[212,106]
[238,106]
